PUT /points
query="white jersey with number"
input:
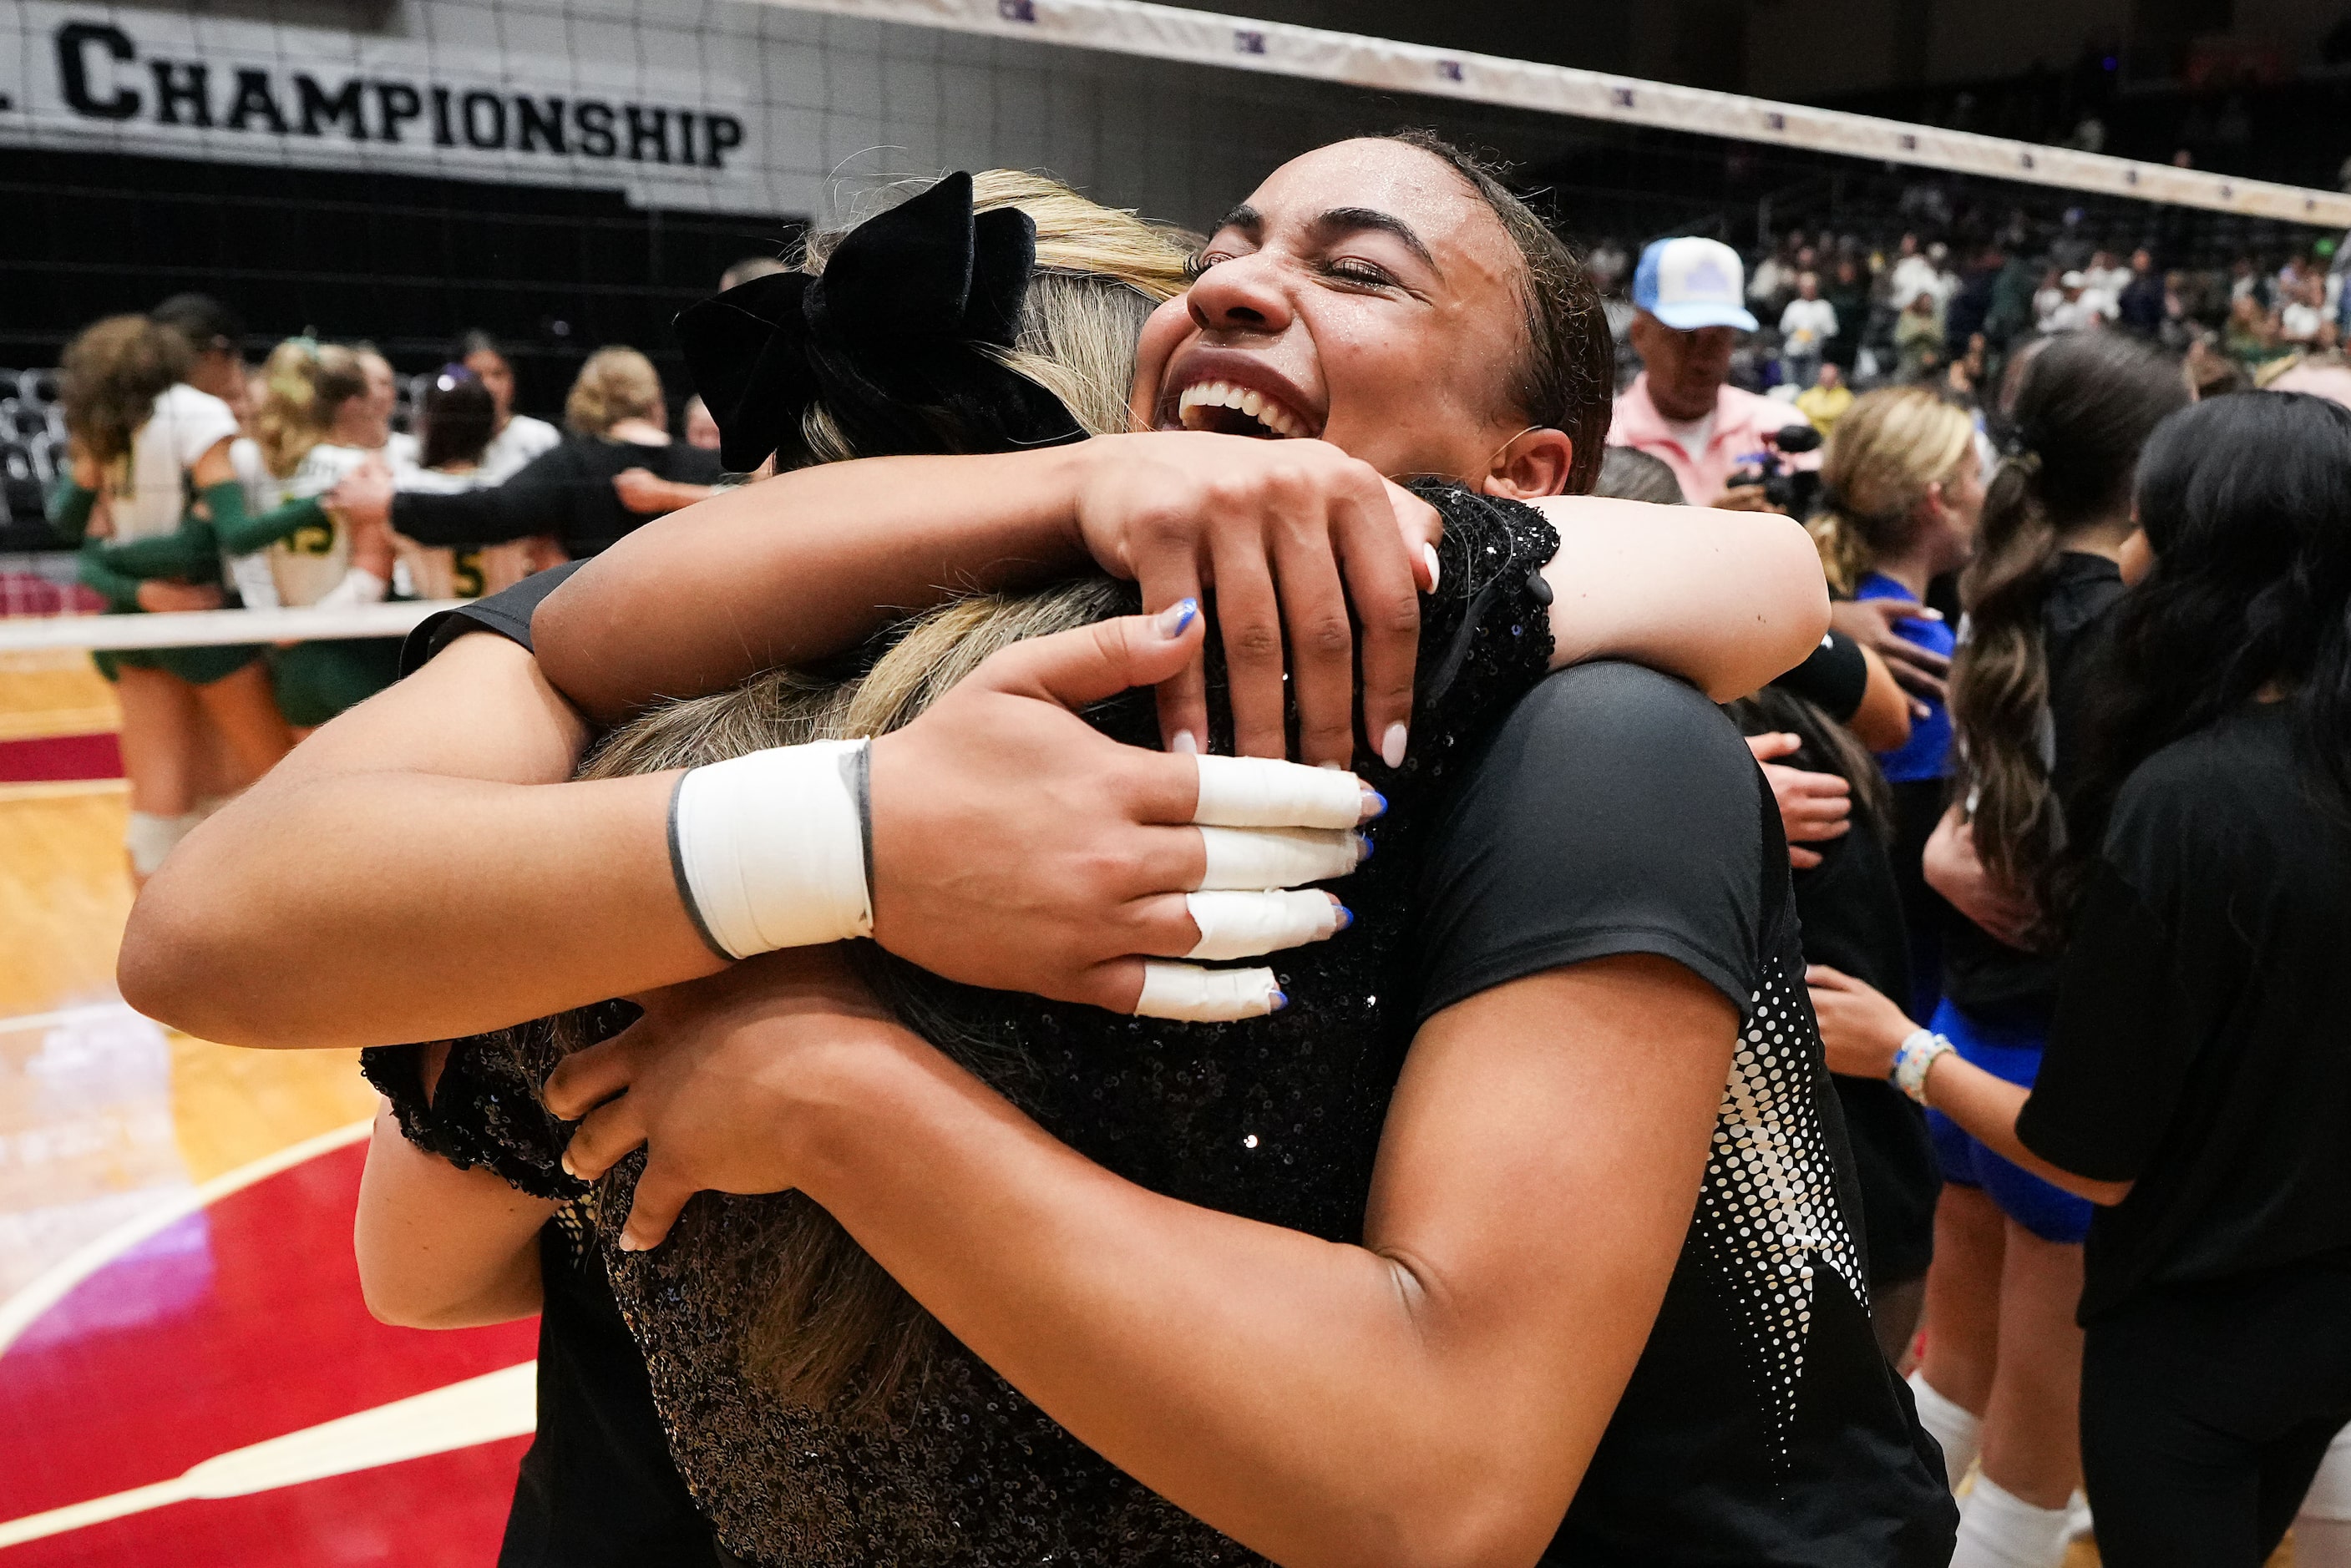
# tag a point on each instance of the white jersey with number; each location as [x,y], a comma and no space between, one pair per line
[308,563]
[148,492]
[442,572]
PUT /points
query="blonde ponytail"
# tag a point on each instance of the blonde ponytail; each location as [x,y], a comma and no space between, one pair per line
[1887,451]
[305,383]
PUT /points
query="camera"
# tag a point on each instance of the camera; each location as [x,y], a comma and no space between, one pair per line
[1792,490]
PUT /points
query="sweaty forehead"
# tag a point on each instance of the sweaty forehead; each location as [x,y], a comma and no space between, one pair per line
[1390,177]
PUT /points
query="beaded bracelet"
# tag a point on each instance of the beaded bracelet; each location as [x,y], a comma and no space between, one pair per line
[1914,1058]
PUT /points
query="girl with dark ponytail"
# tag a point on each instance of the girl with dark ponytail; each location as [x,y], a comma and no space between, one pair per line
[2196,1083]
[2003,1365]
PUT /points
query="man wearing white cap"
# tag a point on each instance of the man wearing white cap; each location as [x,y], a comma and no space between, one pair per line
[1681,410]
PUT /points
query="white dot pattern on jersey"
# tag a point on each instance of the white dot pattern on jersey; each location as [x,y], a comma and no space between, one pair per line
[1769,1215]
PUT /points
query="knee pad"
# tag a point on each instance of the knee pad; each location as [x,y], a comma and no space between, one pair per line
[150,837]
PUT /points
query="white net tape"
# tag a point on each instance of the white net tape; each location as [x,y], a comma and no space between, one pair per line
[1198,38]
[206,628]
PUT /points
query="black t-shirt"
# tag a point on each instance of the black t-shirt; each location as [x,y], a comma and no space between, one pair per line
[1617,811]
[1981,974]
[597,1488]
[1851,907]
[1834,677]
[566,491]
[507,612]
[2200,1047]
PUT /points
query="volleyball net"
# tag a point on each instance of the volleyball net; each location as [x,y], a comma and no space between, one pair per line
[572,173]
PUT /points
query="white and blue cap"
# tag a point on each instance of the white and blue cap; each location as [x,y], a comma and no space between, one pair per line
[1689,283]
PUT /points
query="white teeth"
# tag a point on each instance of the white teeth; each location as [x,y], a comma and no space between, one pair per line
[1225,395]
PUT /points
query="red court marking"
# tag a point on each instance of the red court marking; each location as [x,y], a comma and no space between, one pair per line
[61,757]
[240,1322]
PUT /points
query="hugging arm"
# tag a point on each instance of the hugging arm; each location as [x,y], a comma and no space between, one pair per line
[439,1247]
[1430,1397]
[808,563]
[1726,601]
[422,869]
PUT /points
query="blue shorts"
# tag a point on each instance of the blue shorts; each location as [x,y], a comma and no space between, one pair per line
[2012,1053]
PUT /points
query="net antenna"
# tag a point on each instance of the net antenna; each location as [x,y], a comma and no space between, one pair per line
[1279,48]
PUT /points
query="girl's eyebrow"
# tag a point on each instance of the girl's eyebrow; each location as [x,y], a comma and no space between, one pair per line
[1341,221]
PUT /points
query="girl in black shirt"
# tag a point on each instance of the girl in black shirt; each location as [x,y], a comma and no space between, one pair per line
[618,422]
[2195,1083]
[2002,1348]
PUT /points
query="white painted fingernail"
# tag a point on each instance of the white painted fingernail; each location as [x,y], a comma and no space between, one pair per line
[630,1244]
[1428,553]
[1392,746]
[567,1166]
[1186,742]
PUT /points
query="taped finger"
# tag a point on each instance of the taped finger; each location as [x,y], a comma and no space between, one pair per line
[1264,791]
[1189,994]
[1245,925]
[1249,858]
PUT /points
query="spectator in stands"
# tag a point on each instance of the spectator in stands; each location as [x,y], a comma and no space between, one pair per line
[2251,337]
[618,422]
[1681,408]
[2139,303]
[1848,292]
[1826,400]
[1963,382]
[2302,314]
[517,438]
[2076,308]
[1775,275]
[2102,282]
[1917,339]
[2210,372]
[1913,274]
[1806,325]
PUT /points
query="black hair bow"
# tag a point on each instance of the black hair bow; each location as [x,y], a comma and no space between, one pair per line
[887,338]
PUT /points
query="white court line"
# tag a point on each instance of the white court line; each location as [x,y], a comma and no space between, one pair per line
[52,1284]
[503,1404]
[91,1014]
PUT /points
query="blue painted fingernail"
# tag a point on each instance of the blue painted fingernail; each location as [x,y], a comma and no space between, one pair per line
[1374,804]
[1175,618]
[1346,918]
[1279,1002]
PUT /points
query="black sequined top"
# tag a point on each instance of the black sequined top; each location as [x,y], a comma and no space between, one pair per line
[1277,1119]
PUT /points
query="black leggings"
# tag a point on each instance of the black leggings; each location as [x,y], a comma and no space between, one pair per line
[2205,1413]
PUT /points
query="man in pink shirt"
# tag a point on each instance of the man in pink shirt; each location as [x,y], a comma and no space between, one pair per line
[1690,295]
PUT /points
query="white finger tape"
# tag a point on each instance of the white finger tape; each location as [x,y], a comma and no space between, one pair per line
[1248,858]
[1244,925]
[770,848]
[1261,792]
[1189,994]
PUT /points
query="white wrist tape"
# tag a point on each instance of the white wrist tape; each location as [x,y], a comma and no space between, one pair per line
[1192,995]
[1244,925]
[770,848]
[1261,792]
[1251,857]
